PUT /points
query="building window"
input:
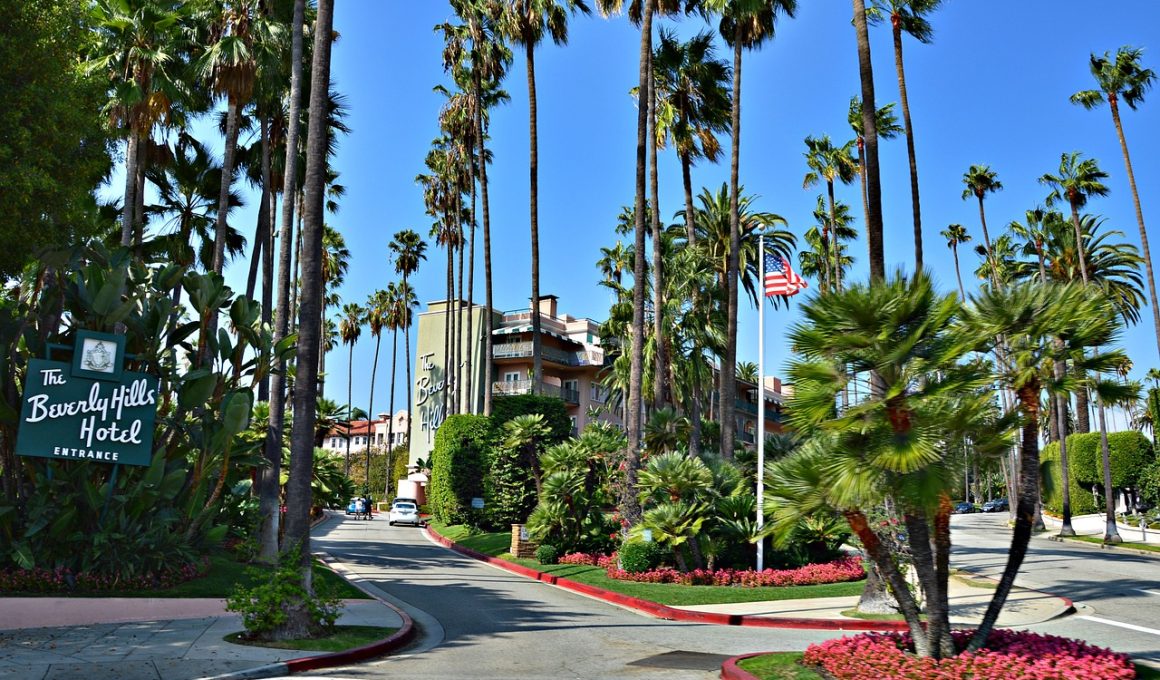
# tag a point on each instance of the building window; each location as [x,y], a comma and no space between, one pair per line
[511,376]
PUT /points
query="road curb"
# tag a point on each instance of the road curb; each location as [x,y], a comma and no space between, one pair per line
[1067,611]
[665,612]
[731,671]
[309,663]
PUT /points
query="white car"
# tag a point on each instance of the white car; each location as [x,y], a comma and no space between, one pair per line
[404,512]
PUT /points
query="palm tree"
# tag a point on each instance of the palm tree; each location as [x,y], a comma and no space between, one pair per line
[1123,77]
[1039,324]
[956,235]
[829,163]
[526,22]
[981,180]
[745,24]
[299,622]
[887,127]
[350,328]
[335,263]
[747,371]
[823,256]
[907,15]
[870,146]
[378,317]
[403,304]
[408,249]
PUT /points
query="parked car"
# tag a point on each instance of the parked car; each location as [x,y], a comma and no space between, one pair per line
[964,508]
[404,512]
[997,505]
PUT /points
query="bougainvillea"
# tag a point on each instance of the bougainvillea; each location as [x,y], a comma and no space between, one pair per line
[838,571]
[63,580]
[1008,654]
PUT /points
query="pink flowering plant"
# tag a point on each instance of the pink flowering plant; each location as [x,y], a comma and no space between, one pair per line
[838,571]
[62,580]
[1006,654]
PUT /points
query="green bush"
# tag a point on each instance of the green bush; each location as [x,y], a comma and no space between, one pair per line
[509,490]
[505,408]
[637,556]
[1082,501]
[547,554]
[1129,453]
[458,462]
[263,606]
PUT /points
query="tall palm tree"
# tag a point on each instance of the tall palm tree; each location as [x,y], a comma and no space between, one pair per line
[981,180]
[1123,78]
[747,371]
[350,328]
[526,22]
[335,264]
[827,259]
[829,163]
[298,622]
[907,15]
[956,235]
[1076,182]
[870,145]
[408,249]
[745,24]
[378,317]
[403,304]
[887,127]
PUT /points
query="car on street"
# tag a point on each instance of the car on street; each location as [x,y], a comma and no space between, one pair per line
[996,505]
[404,512]
[964,508]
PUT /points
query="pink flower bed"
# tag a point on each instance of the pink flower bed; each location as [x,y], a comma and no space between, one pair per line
[63,580]
[845,569]
[1008,654]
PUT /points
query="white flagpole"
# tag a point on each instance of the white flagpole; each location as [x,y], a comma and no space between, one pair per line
[761,403]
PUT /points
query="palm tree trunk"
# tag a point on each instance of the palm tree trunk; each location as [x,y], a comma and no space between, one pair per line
[661,370]
[268,286]
[448,373]
[139,208]
[691,236]
[271,472]
[958,274]
[629,504]
[534,204]
[897,26]
[459,382]
[728,387]
[862,180]
[471,406]
[487,339]
[299,622]
[219,240]
[1024,512]
[391,412]
[259,243]
[837,266]
[987,243]
[870,136]
[407,345]
[1082,408]
[349,407]
[296,265]
[1061,419]
[371,407]
[921,550]
[1139,219]
[133,144]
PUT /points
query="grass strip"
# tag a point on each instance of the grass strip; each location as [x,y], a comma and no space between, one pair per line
[778,666]
[342,639]
[497,545]
[1149,547]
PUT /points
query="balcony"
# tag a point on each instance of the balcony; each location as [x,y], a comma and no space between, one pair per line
[746,407]
[513,387]
[523,350]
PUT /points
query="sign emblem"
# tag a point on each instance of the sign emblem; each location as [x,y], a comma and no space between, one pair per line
[97,358]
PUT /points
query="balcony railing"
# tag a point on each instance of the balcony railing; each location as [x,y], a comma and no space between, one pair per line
[523,350]
[513,387]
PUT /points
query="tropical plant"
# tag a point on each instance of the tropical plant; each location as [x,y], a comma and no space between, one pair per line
[350,328]
[829,163]
[981,180]
[407,250]
[956,235]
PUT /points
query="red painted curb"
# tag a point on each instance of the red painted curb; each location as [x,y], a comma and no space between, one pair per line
[731,671]
[661,611]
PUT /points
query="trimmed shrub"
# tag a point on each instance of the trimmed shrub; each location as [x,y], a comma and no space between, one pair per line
[1008,654]
[505,408]
[1082,501]
[639,556]
[1129,453]
[547,554]
[458,462]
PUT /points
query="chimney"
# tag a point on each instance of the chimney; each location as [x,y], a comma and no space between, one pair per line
[548,305]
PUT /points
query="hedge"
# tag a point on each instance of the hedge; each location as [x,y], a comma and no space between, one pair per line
[458,463]
[505,408]
[1130,452]
[1082,501]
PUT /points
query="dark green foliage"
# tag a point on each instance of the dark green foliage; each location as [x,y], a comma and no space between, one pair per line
[637,556]
[509,491]
[1130,452]
[458,464]
[1150,483]
[547,554]
[505,408]
[1082,501]
[263,606]
[54,147]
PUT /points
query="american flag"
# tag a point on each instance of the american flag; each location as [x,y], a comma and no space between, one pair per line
[780,278]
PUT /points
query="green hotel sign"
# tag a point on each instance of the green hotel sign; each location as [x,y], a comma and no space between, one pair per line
[90,409]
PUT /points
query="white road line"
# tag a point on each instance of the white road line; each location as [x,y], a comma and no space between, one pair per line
[1109,622]
[1150,592]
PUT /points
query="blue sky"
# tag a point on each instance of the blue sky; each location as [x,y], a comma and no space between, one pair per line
[991,89]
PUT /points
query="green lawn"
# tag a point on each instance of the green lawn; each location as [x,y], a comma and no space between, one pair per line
[224,574]
[497,544]
[343,638]
[778,666]
[1150,547]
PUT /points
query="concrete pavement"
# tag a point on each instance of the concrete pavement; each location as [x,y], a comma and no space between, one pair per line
[1093,525]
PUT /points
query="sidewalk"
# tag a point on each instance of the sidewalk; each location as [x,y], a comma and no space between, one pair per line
[1093,525]
[968,602]
[169,645]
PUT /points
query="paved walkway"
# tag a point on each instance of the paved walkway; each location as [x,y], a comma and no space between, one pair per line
[1093,525]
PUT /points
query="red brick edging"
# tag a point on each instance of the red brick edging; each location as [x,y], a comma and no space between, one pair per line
[661,611]
[731,671]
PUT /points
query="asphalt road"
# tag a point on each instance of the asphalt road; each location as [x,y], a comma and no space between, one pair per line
[482,622]
[1117,594]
